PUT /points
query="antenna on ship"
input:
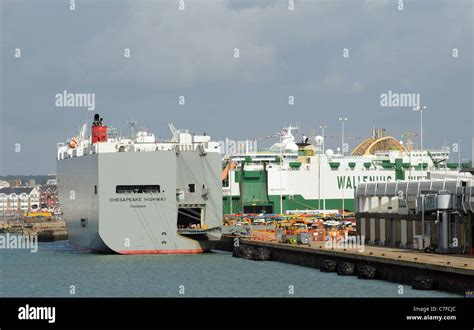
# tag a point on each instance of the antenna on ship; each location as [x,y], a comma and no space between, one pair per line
[408,136]
[131,124]
[174,132]
[82,132]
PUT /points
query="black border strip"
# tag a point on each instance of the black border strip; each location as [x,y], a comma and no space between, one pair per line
[289,313]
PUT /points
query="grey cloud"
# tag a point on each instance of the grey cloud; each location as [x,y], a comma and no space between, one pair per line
[190,53]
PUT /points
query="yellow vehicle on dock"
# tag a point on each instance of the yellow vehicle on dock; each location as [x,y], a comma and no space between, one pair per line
[38,214]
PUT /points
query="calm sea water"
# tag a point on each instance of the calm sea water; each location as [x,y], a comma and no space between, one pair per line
[52,270]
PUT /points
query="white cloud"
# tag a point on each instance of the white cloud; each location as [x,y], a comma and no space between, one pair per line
[357,87]
[376,5]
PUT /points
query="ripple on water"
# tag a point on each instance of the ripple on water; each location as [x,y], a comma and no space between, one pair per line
[55,267]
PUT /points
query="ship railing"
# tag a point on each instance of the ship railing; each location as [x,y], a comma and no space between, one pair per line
[179,147]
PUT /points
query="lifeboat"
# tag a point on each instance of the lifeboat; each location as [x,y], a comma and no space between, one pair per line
[73,143]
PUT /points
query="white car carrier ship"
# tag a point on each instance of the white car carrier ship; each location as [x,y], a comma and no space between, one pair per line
[292,176]
[138,195]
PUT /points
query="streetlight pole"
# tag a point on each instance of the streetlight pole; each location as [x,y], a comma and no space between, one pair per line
[459,154]
[420,108]
[342,120]
[423,220]
[281,185]
[322,127]
[230,186]
[321,177]
[281,170]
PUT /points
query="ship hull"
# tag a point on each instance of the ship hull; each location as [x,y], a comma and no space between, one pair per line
[260,189]
[100,218]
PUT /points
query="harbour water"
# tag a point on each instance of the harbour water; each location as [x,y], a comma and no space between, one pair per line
[56,270]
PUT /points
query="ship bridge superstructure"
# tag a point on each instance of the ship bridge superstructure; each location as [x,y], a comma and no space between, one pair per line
[142,141]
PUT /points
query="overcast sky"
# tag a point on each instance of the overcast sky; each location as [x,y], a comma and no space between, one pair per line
[190,52]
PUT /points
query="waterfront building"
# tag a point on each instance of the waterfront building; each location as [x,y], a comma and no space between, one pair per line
[14,183]
[434,214]
[19,199]
[49,197]
[52,182]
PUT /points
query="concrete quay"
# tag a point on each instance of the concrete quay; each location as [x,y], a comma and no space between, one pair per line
[447,273]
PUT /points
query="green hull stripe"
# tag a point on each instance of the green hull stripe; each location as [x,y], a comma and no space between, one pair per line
[296,202]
